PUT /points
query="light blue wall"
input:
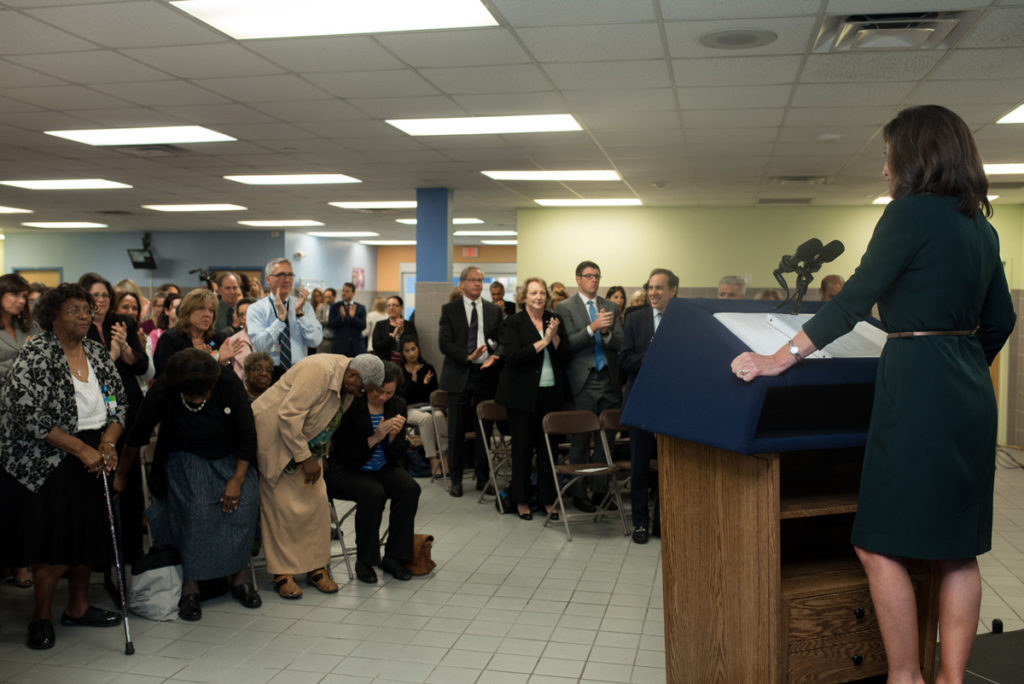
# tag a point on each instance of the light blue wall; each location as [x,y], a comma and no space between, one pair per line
[329,260]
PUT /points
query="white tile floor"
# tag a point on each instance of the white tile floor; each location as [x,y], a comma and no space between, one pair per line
[509,603]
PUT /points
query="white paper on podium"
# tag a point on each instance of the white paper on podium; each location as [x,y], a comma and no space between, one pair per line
[764,333]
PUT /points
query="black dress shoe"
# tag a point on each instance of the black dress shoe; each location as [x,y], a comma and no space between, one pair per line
[553,516]
[188,607]
[92,617]
[456,489]
[40,635]
[582,504]
[247,595]
[365,573]
[640,535]
[528,515]
[396,569]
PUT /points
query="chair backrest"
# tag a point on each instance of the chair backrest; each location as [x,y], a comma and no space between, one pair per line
[439,399]
[570,422]
[611,419]
[488,410]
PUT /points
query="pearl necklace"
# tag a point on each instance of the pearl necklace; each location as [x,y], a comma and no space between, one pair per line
[189,407]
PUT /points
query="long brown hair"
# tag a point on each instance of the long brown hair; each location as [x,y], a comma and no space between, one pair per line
[932,151]
[12,283]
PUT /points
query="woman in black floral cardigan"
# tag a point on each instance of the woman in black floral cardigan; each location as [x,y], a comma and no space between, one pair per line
[62,410]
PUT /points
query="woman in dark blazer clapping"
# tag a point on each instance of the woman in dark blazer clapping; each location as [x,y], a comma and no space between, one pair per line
[532,384]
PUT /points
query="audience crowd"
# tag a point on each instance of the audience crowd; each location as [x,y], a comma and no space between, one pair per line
[262,406]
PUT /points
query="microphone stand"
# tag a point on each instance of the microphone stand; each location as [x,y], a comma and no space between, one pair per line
[804,276]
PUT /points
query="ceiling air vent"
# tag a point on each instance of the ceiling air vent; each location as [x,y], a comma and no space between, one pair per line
[153,151]
[784,200]
[903,31]
[115,212]
[802,180]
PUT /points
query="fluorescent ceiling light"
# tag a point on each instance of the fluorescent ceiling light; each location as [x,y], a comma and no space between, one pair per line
[156,135]
[458,221]
[65,224]
[14,210]
[246,19]
[344,234]
[1016,116]
[2,236]
[66,184]
[1003,169]
[596,175]
[295,179]
[883,199]
[284,223]
[387,243]
[495,233]
[480,125]
[194,207]
[403,204]
[620,202]
[500,242]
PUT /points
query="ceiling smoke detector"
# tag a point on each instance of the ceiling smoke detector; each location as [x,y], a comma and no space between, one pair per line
[902,31]
[738,39]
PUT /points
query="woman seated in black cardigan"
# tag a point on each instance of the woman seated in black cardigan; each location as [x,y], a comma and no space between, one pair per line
[367,450]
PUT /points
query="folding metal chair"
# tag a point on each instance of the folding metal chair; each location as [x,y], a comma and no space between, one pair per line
[439,404]
[496,445]
[610,420]
[577,423]
[336,522]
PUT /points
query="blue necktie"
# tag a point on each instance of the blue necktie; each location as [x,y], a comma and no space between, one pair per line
[598,348]
[284,342]
[474,329]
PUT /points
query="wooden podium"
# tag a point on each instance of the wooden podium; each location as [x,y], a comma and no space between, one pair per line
[758,488]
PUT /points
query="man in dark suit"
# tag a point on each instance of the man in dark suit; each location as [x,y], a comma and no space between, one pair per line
[640,328]
[467,337]
[595,335]
[348,320]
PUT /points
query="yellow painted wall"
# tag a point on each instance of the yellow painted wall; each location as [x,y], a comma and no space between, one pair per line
[703,244]
[389,258]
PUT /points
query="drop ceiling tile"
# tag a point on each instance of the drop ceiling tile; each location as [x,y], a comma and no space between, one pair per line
[271,88]
[970,64]
[518,78]
[733,71]
[726,135]
[463,47]
[100,66]
[652,73]
[43,121]
[840,116]
[999,29]
[810,134]
[308,111]
[8,105]
[23,35]
[950,93]
[370,84]
[729,149]
[732,118]
[628,100]
[364,128]
[639,136]
[851,94]
[443,143]
[692,10]
[836,7]
[977,115]
[14,76]
[265,131]
[217,114]
[794,36]
[128,116]
[547,13]
[64,97]
[870,67]
[593,43]
[734,97]
[496,104]
[322,54]
[129,24]
[204,61]
[158,93]
[619,121]
[407,107]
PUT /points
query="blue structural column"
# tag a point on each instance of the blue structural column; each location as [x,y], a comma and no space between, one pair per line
[433,235]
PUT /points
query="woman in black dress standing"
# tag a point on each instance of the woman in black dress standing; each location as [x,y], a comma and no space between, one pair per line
[933,266]
[388,333]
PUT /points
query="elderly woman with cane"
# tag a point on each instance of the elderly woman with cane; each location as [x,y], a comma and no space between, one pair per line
[62,410]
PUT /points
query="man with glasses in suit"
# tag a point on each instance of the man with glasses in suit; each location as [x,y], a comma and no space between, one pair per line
[282,326]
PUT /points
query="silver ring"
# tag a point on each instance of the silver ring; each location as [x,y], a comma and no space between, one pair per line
[743,371]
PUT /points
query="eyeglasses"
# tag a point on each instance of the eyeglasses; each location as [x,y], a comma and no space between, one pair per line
[76,311]
[591,276]
[472,280]
[282,275]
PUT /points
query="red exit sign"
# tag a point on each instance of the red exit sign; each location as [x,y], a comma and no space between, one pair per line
[470,252]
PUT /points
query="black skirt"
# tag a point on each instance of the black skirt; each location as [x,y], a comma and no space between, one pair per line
[65,522]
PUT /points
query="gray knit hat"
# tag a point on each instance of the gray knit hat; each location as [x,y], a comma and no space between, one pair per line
[370,369]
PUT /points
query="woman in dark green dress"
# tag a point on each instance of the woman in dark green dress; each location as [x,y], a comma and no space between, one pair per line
[926,488]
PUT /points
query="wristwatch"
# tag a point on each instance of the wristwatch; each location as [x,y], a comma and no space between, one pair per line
[795,350]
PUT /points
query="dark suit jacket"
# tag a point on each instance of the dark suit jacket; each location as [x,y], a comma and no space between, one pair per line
[131,386]
[636,337]
[453,338]
[174,341]
[520,375]
[349,449]
[348,330]
[384,343]
[576,318]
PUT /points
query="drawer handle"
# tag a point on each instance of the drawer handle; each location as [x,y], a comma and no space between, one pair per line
[857,659]
[858,613]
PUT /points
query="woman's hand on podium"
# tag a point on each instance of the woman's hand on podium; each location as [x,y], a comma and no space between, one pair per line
[749,365]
